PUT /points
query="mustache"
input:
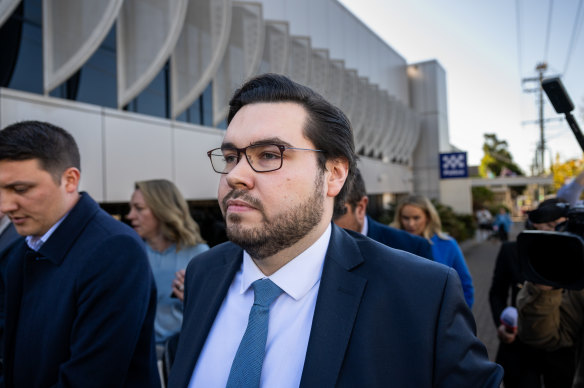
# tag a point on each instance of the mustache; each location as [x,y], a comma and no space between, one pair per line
[244,196]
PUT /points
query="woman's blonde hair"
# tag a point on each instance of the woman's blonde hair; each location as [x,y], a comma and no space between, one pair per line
[172,211]
[433,226]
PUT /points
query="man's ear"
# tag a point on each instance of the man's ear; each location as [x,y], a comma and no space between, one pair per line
[338,169]
[361,208]
[70,179]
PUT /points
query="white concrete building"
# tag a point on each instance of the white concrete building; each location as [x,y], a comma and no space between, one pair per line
[143,85]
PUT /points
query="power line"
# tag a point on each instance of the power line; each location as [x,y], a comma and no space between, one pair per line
[518,24]
[574,37]
[549,27]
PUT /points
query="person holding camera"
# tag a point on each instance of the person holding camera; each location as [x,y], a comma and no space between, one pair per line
[525,365]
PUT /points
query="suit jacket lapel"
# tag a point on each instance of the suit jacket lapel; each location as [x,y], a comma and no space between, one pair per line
[210,295]
[338,301]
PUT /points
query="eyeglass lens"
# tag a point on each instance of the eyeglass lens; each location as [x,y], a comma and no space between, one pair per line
[261,157]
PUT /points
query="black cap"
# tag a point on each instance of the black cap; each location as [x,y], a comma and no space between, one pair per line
[549,210]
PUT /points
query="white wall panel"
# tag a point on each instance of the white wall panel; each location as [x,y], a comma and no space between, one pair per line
[367,123]
[358,113]
[136,148]
[398,129]
[72,31]
[146,36]
[194,175]
[390,127]
[83,121]
[384,120]
[319,66]
[335,82]
[6,9]
[276,48]
[199,50]
[350,93]
[242,58]
[299,59]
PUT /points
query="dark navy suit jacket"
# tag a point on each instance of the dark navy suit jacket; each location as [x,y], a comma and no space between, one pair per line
[398,239]
[383,318]
[8,237]
[80,312]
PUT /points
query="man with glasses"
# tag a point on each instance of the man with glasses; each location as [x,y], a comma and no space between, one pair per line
[293,300]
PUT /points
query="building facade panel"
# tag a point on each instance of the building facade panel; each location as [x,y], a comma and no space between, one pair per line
[194,87]
[199,50]
[136,147]
[193,173]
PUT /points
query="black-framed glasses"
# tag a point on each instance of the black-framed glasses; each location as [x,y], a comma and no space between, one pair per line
[261,157]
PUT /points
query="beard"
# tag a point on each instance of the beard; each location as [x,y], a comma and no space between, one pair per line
[280,231]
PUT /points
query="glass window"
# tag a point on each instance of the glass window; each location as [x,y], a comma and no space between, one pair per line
[97,83]
[28,73]
[154,100]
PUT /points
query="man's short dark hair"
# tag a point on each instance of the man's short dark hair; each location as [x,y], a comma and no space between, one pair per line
[327,126]
[55,148]
[355,191]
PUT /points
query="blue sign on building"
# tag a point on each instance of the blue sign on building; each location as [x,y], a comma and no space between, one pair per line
[453,165]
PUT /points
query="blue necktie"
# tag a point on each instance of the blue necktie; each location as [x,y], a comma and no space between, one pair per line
[246,369]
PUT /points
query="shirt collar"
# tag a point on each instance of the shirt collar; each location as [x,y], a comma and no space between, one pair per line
[298,276]
[365,228]
[35,242]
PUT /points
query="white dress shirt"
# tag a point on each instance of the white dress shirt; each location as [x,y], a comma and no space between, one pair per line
[289,326]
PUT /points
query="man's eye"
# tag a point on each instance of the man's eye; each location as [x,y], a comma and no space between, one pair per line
[20,189]
[230,158]
[266,155]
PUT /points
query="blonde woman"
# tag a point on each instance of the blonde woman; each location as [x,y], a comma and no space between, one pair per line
[416,215]
[160,215]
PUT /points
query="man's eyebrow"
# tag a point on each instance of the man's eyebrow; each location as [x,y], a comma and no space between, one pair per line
[271,140]
[11,185]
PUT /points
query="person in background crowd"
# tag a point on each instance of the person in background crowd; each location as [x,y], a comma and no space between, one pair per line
[485,222]
[354,217]
[80,295]
[160,215]
[502,224]
[416,214]
[524,365]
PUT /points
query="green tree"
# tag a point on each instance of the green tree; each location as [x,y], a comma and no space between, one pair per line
[497,157]
[482,196]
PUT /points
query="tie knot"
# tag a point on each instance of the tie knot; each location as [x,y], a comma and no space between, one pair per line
[265,292]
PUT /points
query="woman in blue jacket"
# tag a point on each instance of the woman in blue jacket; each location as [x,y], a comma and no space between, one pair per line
[417,215]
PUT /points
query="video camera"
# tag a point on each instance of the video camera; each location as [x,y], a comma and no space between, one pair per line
[555,258]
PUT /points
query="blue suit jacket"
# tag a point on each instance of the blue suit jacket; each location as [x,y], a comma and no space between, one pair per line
[383,318]
[80,312]
[398,239]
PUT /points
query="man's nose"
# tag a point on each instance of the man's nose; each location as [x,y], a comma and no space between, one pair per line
[242,174]
[7,203]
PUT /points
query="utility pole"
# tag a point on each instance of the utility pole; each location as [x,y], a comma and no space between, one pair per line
[540,150]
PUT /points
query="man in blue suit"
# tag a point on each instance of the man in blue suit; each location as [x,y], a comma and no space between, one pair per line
[80,296]
[293,300]
[354,217]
